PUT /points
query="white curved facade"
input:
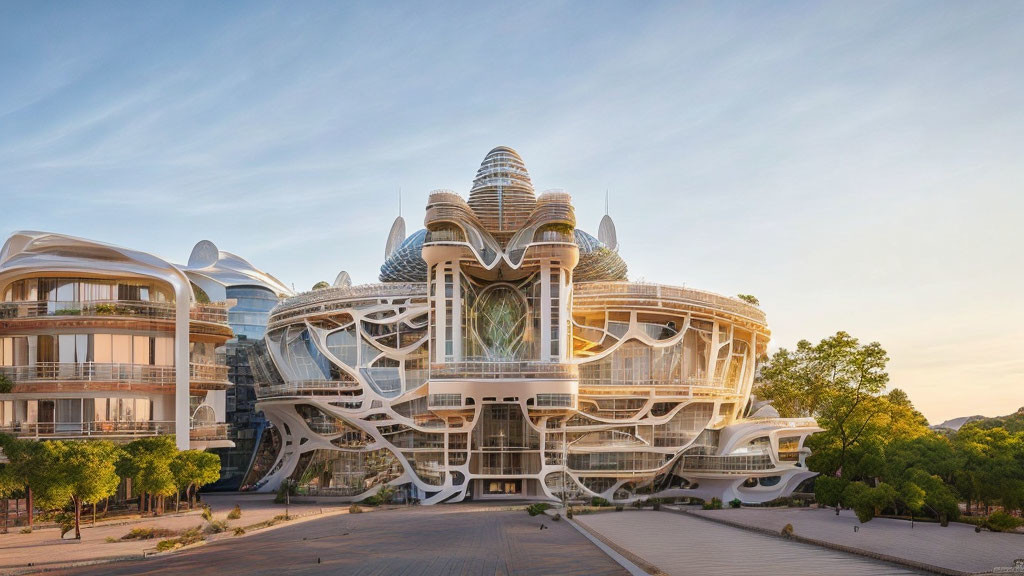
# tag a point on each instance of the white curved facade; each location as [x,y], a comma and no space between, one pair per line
[506,356]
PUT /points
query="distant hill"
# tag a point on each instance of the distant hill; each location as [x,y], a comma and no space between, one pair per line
[1012,422]
[956,423]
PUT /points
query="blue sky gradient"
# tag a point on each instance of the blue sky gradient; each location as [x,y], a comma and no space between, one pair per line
[857,166]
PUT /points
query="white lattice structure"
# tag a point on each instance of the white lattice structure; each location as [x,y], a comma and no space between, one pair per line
[498,361]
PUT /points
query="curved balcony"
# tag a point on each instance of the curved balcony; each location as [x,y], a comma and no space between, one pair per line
[307,388]
[77,377]
[213,312]
[472,370]
[210,320]
[208,432]
[103,429]
[208,377]
[736,464]
[610,293]
[94,311]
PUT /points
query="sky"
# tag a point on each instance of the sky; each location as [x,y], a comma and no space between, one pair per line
[857,166]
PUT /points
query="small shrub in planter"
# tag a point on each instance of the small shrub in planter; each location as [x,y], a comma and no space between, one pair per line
[1000,521]
[216,527]
[787,531]
[355,509]
[734,503]
[207,514]
[568,514]
[618,507]
[714,504]
[557,517]
[239,531]
[235,513]
[537,508]
[147,533]
[599,502]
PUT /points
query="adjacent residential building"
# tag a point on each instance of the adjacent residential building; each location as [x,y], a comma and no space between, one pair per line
[99,341]
[506,355]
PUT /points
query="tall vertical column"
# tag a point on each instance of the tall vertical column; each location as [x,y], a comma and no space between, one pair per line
[440,319]
[182,415]
[545,311]
[456,312]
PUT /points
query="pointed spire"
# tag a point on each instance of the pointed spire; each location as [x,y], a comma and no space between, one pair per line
[606,230]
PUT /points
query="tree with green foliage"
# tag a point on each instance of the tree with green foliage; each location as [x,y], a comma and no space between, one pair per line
[83,472]
[749,299]
[25,466]
[839,382]
[828,490]
[193,469]
[321,285]
[991,467]
[147,462]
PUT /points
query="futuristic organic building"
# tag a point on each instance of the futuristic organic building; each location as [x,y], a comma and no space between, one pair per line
[98,341]
[505,355]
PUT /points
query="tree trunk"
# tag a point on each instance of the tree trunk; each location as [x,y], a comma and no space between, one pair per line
[78,518]
[7,506]
[94,514]
[177,502]
[28,504]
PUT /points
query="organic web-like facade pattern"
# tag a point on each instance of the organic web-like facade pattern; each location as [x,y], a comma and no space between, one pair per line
[506,356]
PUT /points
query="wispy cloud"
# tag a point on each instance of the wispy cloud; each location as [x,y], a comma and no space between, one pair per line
[854,165]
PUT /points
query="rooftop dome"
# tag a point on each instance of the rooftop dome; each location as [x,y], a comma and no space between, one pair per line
[502,195]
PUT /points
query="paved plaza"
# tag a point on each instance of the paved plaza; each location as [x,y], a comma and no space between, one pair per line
[43,548]
[496,540]
[681,545]
[441,540]
[956,547]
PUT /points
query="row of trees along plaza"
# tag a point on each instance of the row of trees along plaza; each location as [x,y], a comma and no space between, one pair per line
[877,454]
[58,478]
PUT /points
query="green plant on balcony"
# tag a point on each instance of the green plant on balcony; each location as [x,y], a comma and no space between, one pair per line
[105,309]
[68,312]
[6,386]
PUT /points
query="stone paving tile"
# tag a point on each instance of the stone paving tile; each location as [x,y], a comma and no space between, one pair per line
[683,546]
[439,540]
[956,547]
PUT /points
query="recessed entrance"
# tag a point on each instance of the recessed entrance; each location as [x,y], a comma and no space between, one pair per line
[503,487]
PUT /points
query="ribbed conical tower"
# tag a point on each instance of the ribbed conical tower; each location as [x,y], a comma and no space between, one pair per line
[502,195]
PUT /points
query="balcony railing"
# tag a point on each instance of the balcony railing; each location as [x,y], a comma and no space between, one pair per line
[89,429]
[602,290]
[306,388]
[727,464]
[88,308]
[89,372]
[499,370]
[209,374]
[214,312]
[208,432]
